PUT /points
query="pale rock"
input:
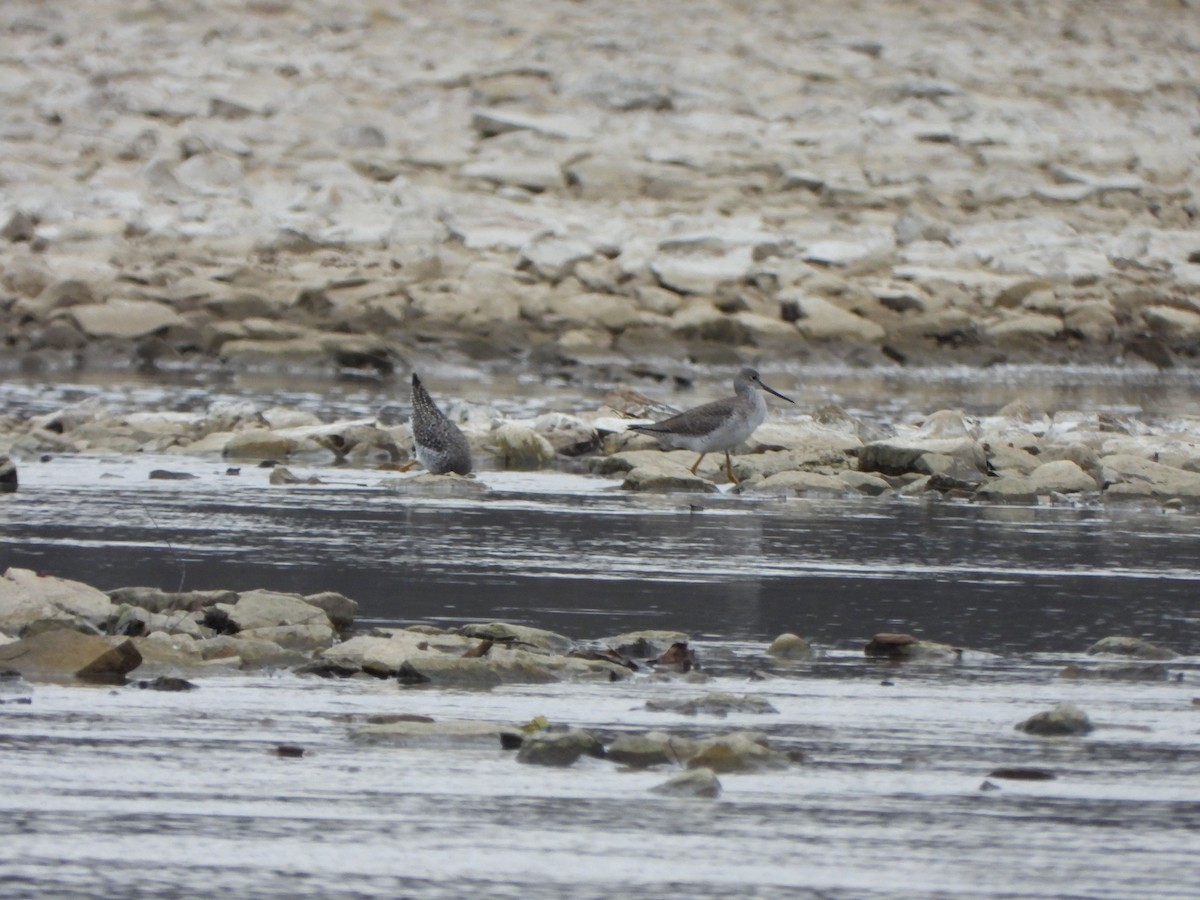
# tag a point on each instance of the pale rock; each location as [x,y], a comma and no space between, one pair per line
[1023,327]
[641,750]
[123,318]
[210,174]
[387,654]
[63,652]
[530,173]
[266,609]
[27,597]
[699,782]
[703,272]
[259,444]
[898,456]
[519,635]
[1173,323]
[799,483]
[665,478]
[1133,647]
[817,319]
[737,752]
[791,647]
[553,259]
[865,483]
[519,447]
[1147,477]
[558,748]
[1064,720]
[1062,477]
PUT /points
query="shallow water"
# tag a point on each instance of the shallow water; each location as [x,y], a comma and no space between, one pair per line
[124,792]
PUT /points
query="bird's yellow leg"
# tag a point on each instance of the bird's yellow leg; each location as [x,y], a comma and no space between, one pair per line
[729,469]
[408,465]
[697,464]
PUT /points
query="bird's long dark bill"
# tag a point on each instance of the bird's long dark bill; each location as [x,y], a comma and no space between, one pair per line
[776,393]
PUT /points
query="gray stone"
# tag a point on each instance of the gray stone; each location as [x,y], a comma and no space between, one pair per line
[559,748]
[906,647]
[644,749]
[643,644]
[1063,720]
[267,609]
[439,733]
[518,635]
[65,653]
[737,752]
[122,318]
[27,597]
[700,782]
[521,448]
[714,704]
[790,647]
[1133,647]
[660,480]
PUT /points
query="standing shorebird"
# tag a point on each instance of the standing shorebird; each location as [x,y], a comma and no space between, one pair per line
[720,425]
[440,446]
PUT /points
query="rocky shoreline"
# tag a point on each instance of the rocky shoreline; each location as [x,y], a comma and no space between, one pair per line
[57,630]
[1016,456]
[273,186]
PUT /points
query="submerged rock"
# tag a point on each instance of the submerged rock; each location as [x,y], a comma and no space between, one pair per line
[1127,672]
[559,748]
[737,752]
[700,782]
[440,732]
[906,647]
[1066,719]
[714,704]
[644,749]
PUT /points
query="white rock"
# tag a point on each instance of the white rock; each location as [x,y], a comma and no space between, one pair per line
[121,318]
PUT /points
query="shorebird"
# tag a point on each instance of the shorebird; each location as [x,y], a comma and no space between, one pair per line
[440,446]
[720,425]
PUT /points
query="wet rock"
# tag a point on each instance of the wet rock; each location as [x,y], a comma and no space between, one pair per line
[643,645]
[259,444]
[699,782]
[521,448]
[714,704]
[678,657]
[239,652]
[156,600]
[1063,720]
[925,457]
[438,733]
[1022,773]
[1146,477]
[64,653]
[302,638]
[666,478]
[559,748]
[819,320]
[790,647]
[1129,672]
[1134,647]
[8,475]
[428,485]
[27,597]
[643,750]
[339,608]
[385,655]
[266,609]
[799,484]
[166,683]
[908,648]
[162,652]
[519,635]
[289,751]
[737,752]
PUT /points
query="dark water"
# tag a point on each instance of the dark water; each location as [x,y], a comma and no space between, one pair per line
[577,555]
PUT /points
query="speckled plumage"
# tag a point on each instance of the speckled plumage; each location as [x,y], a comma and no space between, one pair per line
[719,425]
[440,446]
